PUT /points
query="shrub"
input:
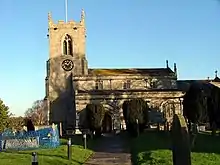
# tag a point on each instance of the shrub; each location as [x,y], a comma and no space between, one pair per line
[29,125]
[194,103]
[95,115]
[133,110]
[201,104]
[125,110]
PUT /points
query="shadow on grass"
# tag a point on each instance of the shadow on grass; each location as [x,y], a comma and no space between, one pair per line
[157,145]
[79,141]
[206,143]
[142,146]
[109,143]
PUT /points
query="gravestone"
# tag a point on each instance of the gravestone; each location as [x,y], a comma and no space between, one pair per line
[180,141]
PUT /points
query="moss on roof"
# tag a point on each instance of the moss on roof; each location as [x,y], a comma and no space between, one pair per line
[110,72]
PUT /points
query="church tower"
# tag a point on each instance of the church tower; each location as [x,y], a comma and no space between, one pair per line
[66,59]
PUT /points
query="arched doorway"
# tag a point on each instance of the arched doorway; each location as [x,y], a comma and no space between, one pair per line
[169,108]
[107,123]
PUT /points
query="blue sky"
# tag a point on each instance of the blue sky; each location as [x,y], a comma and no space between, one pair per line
[122,34]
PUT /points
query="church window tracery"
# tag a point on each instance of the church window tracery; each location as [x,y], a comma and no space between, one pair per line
[67,45]
[64,47]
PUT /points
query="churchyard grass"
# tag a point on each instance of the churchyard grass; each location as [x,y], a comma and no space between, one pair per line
[153,148]
[56,156]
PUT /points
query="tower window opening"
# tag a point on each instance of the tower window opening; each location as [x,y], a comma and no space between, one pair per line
[67,46]
[64,47]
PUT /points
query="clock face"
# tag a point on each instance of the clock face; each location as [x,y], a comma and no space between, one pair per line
[67,65]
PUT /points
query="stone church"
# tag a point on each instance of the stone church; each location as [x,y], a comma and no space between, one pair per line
[71,85]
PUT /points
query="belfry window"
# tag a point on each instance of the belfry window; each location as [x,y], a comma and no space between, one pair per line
[64,47]
[67,45]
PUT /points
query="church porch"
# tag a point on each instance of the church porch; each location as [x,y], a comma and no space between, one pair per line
[167,101]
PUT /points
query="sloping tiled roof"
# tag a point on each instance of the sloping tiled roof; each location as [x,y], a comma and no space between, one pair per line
[217,79]
[185,84]
[112,72]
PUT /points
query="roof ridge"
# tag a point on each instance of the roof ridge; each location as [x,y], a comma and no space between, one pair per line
[126,68]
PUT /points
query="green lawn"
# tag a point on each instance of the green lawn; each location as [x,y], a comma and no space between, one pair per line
[153,148]
[56,156]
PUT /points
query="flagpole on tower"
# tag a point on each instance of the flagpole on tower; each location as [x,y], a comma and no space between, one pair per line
[66,10]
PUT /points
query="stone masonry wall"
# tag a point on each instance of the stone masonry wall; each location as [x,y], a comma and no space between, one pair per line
[116,82]
[57,33]
[162,101]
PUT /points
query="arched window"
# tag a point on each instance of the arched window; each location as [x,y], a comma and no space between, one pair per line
[67,45]
[70,47]
[64,47]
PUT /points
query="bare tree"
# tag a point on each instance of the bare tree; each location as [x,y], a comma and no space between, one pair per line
[38,112]
[16,123]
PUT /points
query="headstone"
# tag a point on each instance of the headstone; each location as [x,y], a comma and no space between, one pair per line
[180,141]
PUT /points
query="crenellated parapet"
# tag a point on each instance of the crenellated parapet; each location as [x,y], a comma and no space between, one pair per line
[70,24]
[57,32]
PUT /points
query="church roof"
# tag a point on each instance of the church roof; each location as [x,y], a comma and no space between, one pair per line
[147,71]
[217,79]
[185,84]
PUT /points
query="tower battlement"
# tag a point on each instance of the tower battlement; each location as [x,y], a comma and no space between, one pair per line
[58,32]
[70,23]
